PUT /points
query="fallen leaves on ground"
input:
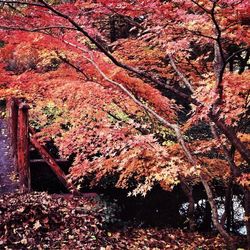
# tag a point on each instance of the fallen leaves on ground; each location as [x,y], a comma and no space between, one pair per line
[42,221]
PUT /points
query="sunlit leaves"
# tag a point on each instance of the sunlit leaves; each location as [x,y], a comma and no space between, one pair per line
[89,118]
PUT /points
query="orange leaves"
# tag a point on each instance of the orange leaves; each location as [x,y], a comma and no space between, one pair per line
[146,163]
[87,116]
[215,168]
[236,97]
[244,180]
[234,103]
[148,94]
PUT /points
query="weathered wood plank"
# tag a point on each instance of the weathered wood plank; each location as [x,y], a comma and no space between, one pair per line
[52,163]
[23,148]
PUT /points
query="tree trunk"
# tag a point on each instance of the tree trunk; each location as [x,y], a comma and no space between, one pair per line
[208,217]
[227,216]
[215,218]
[247,214]
[188,191]
[231,136]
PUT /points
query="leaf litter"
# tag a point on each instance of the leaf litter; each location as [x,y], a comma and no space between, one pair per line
[42,221]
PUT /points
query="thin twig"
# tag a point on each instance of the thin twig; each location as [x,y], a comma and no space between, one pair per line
[36,29]
[22,3]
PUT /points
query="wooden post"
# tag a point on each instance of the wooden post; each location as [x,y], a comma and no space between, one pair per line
[12,116]
[23,147]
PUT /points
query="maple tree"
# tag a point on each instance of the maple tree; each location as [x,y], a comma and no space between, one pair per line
[120,84]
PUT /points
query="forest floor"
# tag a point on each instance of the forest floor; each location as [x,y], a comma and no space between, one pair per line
[42,221]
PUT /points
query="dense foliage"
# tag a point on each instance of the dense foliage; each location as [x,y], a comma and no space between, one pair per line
[138,93]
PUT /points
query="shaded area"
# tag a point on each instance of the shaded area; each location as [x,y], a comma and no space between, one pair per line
[8,179]
[43,178]
[42,221]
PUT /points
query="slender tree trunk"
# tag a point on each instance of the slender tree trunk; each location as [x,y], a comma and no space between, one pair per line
[231,136]
[227,216]
[247,214]
[208,190]
[207,221]
[188,191]
[215,218]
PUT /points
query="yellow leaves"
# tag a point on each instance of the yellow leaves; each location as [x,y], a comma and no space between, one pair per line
[21,209]
[235,92]
[193,171]
[244,138]
[24,241]
[37,225]
[48,59]
[4,93]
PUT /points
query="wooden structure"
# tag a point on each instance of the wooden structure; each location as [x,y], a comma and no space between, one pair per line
[22,137]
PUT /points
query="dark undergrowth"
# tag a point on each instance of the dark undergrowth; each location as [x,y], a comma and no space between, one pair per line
[43,221]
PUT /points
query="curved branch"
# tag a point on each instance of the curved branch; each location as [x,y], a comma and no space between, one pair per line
[180,74]
[22,3]
[230,58]
[200,6]
[36,29]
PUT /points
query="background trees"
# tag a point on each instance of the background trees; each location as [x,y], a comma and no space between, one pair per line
[123,86]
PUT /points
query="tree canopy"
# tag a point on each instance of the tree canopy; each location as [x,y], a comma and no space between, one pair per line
[137,93]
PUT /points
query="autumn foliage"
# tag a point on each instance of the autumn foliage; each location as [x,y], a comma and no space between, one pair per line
[137,92]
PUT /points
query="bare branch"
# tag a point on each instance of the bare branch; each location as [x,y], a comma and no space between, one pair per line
[235,54]
[36,29]
[228,157]
[232,137]
[198,33]
[229,58]
[217,30]
[128,93]
[66,61]
[180,74]
[21,3]
[200,6]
